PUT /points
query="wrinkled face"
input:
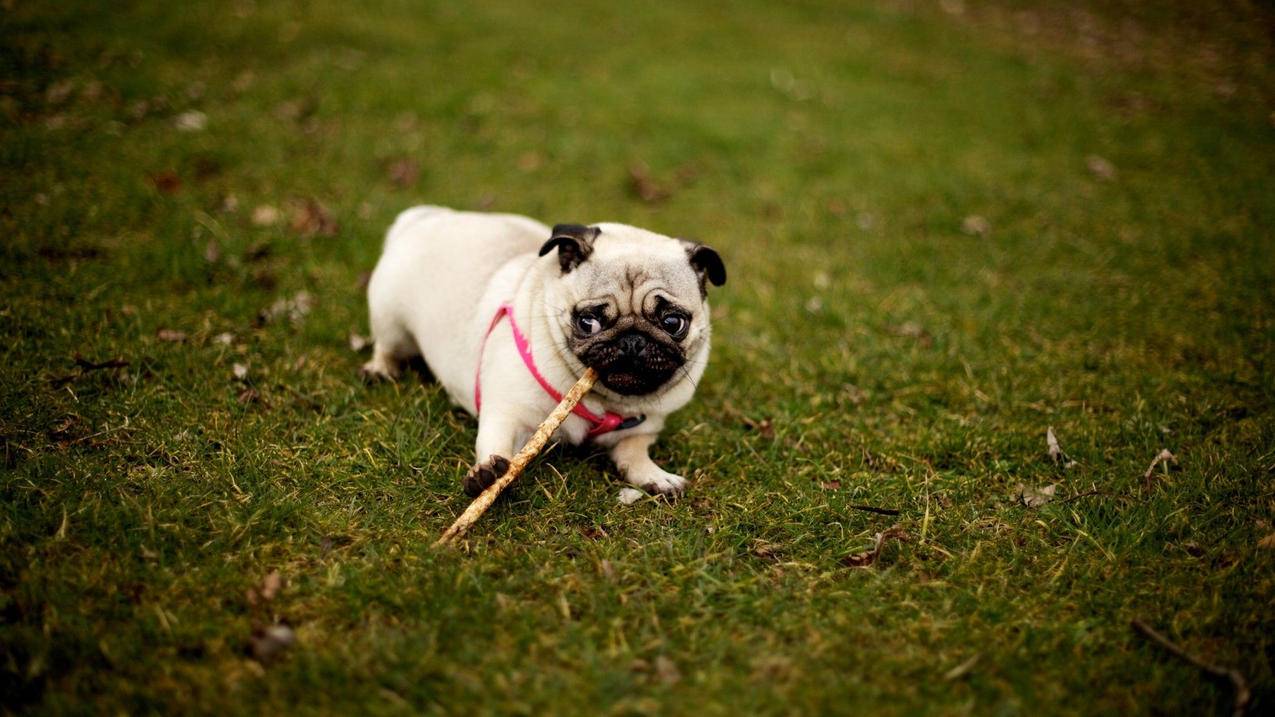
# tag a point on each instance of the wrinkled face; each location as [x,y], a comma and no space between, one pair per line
[631,304]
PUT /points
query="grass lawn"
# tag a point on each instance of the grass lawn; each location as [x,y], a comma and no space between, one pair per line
[948,228]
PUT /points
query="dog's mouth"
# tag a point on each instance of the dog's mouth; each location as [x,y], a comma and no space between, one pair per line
[632,364]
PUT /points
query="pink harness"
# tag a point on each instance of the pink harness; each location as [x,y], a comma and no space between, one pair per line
[601,424]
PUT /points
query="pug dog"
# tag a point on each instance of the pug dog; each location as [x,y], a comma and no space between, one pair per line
[507,313]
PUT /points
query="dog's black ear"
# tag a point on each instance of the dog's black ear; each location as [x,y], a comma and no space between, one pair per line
[707,263]
[574,243]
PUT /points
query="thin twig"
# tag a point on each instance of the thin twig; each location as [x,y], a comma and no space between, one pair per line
[1086,494]
[84,366]
[87,365]
[1242,694]
[874,509]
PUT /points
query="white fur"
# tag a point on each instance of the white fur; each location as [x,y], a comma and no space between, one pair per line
[440,280]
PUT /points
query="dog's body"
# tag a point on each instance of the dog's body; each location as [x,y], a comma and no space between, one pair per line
[626,301]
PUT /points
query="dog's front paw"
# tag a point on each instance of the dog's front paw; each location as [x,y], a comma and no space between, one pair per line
[659,482]
[484,474]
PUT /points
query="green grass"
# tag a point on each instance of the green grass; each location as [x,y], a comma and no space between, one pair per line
[832,152]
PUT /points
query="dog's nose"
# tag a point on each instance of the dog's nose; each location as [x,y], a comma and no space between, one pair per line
[632,344]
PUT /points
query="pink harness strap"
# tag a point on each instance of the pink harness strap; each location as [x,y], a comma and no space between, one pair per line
[601,424]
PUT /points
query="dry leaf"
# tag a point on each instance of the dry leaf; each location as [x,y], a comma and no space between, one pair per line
[192,121]
[310,218]
[530,161]
[830,485]
[1268,542]
[1100,168]
[763,550]
[976,226]
[765,427]
[667,670]
[265,216]
[644,187]
[268,643]
[171,335]
[295,308]
[869,557]
[167,182]
[404,172]
[1165,457]
[1055,450]
[212,252]
[913,330]
[270,585]
[1036,497]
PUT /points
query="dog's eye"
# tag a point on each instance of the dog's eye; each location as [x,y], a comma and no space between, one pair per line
[674,325]
[588,325]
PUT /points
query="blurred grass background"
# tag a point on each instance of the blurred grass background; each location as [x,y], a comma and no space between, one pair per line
[948,228]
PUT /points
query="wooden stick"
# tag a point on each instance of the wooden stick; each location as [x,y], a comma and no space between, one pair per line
[520,460]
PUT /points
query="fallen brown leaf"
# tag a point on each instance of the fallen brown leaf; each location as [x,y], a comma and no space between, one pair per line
[265,216]
[1055,450]
[667,670]
[530,161]
[1100,168]
[167,182]
[171,335]
[310,218]
[913,330]
[268,643]
[763,550]
[975,225]
[1267,542]
[295,308]
[765,427]
[270,585]
[192,121]
[404,172]
[644,187]
[1036,497]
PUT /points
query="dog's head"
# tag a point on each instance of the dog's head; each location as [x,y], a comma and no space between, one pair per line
[630,303]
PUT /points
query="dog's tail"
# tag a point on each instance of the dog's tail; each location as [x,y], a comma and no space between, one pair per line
[409,217]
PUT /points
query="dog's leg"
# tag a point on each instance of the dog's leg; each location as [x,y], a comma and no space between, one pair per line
[631,457]
[497,438]
[392,347]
